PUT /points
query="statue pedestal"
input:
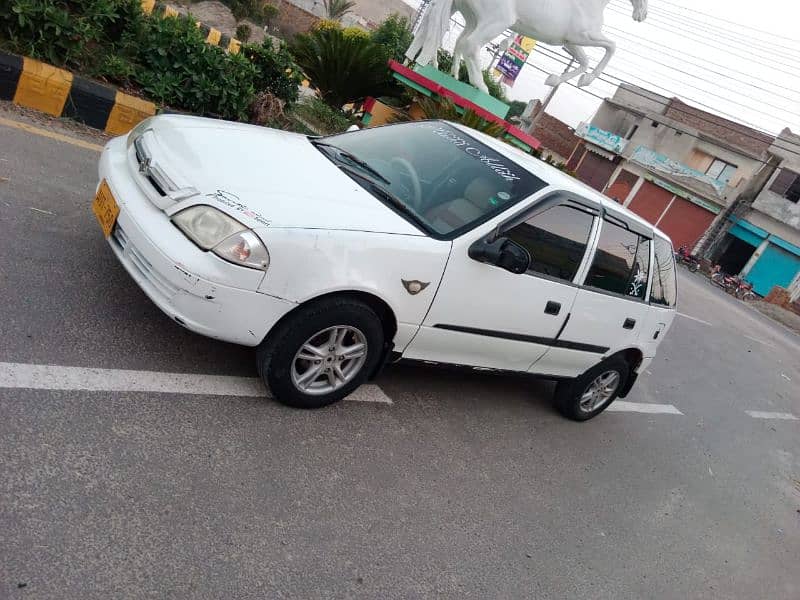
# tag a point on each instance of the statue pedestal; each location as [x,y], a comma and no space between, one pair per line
[462,90]
[435,84]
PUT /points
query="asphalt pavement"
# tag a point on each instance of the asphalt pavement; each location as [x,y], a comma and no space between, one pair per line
[437,484]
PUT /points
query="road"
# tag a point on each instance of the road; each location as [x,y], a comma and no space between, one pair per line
[439,484]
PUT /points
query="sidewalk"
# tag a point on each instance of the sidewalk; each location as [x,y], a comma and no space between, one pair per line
[785,317]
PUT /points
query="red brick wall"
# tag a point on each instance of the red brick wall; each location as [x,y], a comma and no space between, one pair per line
[730,131]
[780,297]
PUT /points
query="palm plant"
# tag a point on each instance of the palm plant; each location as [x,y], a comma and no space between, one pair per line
[343,69]
[336,9]
[445,109]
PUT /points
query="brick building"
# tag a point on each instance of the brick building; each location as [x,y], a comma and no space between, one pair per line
[673,164]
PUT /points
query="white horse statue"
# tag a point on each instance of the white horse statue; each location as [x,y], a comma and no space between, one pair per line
[567,23]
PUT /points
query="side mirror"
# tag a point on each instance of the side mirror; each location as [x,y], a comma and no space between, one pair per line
[503,253]
[353,128]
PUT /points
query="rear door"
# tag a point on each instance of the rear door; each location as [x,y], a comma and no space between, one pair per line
[485,316]
[611,308]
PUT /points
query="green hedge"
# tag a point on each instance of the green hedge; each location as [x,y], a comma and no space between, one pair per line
[166,59]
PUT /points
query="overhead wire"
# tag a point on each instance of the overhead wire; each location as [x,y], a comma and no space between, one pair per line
[751,57]
[709,92]
[660,16]
[738,131]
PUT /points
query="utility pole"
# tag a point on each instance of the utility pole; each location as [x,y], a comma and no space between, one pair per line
[423,6]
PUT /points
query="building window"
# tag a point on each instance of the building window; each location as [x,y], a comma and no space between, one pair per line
[787,184]
[631,132]
[721,170]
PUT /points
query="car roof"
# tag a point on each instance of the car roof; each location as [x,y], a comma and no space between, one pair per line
[558,179]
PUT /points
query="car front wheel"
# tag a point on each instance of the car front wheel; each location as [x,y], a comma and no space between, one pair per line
[321,353]
[590,394]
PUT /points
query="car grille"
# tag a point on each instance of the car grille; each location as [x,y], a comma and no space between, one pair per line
[141,264]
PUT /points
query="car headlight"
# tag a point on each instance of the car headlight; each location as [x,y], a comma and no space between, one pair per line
[213,230]
[137,131]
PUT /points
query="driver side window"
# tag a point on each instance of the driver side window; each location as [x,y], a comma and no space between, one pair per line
[556,240]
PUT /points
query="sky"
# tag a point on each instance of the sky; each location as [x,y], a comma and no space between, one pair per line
[742,63]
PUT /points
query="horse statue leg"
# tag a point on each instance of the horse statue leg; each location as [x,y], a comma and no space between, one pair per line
[583,65]
[488,26]
[601,41]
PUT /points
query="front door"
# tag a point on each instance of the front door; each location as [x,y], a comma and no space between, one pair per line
[485,316]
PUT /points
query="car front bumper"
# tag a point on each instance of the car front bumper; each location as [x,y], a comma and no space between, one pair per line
[174,273]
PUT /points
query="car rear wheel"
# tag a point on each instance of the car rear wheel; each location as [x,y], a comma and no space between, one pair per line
[321,353]
[590,394]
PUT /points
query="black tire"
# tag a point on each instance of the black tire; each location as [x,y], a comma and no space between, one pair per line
[276,355]
[569,393]
[694,267]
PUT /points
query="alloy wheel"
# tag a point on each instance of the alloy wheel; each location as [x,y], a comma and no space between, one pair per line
[329,360]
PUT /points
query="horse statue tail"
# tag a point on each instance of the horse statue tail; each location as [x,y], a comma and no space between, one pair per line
[431,32]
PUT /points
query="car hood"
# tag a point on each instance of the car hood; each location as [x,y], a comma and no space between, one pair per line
[278,176]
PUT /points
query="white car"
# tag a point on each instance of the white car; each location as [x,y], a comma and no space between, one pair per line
[425,241]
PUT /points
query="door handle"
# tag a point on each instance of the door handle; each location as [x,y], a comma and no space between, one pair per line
[552,308]
[629,323]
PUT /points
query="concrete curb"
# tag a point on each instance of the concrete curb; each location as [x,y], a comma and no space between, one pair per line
[57,92]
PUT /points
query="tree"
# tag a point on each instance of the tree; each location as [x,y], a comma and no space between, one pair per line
[394,34]
[517,107]
[336,9]
[343,68]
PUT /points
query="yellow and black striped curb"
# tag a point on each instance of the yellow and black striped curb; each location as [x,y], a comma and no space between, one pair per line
[59,93]
[213,36]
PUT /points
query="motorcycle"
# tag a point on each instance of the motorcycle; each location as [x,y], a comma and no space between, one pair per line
[734,285]
[683,256]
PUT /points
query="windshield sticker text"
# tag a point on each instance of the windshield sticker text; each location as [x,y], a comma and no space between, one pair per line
[492,162]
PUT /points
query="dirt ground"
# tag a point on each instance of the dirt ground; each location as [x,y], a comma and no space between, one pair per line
[217,15]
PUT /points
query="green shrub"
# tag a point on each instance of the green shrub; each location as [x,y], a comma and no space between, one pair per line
[395,36]
[63,32]
[258,11]
[343,69]
[178,68]
[242,32]
[166,58]
[320,116]
[276,71]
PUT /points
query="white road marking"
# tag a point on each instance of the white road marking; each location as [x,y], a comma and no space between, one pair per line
[758,414]
[54,377]
[641,407]
[759,341]
[695,319]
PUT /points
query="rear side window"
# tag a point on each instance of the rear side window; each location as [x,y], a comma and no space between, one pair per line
[665,288]
[622,262]
[556,240]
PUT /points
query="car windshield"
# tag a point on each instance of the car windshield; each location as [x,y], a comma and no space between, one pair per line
[435,175]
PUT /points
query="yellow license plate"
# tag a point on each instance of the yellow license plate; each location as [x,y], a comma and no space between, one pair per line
[105,208]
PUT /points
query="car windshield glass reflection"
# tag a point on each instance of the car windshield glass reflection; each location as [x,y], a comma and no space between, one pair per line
[438,177]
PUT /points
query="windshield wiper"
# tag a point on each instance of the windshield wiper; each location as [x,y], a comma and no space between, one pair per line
[355,160]
[388,197]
